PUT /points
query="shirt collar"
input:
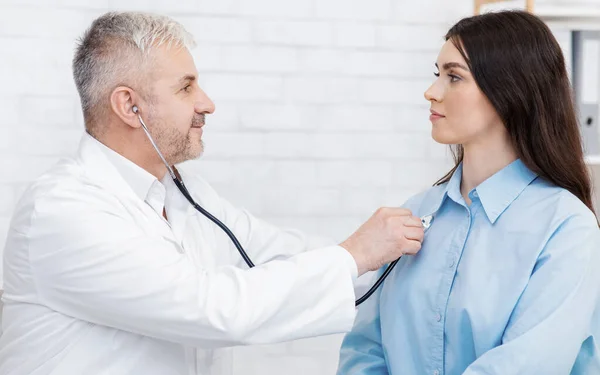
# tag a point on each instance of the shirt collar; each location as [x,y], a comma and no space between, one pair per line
[499,191]
[496,193]
[433,200]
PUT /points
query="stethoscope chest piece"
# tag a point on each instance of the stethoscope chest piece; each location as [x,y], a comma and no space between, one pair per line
[426,221]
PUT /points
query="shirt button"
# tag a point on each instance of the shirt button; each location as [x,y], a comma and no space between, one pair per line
[451,263]
[436,372]
[438,317]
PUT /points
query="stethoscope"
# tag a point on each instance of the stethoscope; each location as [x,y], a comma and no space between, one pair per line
[426,220]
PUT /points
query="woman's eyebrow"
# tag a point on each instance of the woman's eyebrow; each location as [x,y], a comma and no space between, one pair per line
[452,64]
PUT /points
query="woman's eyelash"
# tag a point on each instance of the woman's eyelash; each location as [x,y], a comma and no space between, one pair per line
[453,77]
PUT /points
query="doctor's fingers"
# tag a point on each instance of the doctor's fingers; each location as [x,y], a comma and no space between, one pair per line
[392,212]
[414,234]
[399,222]
[413,221]
[411,247]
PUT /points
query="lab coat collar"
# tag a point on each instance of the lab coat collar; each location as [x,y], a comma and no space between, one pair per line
[112,170]
[119,174]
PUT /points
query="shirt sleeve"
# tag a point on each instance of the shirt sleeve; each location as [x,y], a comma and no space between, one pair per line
[362,351]
[93,262]
[554,315]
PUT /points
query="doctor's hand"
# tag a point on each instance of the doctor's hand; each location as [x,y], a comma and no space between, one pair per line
[385,237]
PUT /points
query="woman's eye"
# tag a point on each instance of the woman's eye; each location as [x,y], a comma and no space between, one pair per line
[187,88]
[454,78]
[437,74]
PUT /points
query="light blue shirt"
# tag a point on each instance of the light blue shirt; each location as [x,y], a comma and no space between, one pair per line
[508,285]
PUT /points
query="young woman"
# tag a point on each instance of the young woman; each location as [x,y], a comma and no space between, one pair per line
[508,279]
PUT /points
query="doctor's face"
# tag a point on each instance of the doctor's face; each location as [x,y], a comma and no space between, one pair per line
[460,112]
[177,105]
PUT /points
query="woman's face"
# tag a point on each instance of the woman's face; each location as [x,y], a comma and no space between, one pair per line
[460,112]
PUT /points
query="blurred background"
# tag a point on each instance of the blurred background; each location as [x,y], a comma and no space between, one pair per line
[320,111]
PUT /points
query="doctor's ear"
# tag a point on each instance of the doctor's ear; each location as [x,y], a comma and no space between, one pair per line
[123,103]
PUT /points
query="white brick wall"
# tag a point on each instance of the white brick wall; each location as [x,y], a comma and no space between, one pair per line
[320,111]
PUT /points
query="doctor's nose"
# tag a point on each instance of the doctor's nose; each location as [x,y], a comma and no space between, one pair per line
[204,104]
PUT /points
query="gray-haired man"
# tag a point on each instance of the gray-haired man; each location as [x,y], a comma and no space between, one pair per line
[109,270]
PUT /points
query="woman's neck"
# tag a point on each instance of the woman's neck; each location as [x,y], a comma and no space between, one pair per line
[482,160]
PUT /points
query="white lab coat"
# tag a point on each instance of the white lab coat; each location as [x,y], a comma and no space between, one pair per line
[96,282]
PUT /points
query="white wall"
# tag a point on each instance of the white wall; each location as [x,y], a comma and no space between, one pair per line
[320,111]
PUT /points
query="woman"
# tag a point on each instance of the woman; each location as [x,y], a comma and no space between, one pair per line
[508,279]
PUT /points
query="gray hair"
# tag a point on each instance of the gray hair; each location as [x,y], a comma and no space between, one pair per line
[114,49]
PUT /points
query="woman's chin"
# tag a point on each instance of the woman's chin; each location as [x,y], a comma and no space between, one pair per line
[443,139]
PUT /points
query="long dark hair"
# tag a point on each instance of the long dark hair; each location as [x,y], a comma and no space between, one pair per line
[519,66]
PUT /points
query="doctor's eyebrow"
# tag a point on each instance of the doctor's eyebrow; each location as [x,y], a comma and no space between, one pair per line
[452,64]
[188,78]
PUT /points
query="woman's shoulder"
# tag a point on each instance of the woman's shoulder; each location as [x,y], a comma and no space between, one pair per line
[562,207]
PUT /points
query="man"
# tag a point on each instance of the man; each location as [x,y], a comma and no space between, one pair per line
[109,270]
